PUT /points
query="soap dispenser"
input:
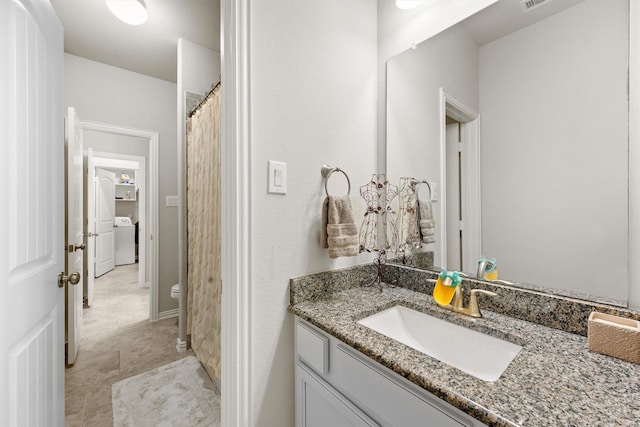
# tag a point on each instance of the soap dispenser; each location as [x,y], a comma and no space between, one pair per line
[487,269]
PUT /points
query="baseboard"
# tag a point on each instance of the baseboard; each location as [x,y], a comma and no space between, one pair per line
[168,314]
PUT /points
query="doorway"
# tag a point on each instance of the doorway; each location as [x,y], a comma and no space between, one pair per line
[118,150]
[122,177]
[460,174]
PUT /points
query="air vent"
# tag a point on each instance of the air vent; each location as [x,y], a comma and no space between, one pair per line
[529,5]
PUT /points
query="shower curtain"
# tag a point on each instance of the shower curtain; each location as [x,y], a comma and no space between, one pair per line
[203,232]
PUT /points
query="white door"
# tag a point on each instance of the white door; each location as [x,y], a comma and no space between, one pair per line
[90,232]
[105,216]
[32,215]
[74,240]
[453,200]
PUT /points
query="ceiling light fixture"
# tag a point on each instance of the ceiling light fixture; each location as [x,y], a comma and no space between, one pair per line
[408,4]
[133,12]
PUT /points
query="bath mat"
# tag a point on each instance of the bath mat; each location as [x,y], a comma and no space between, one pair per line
[178,394]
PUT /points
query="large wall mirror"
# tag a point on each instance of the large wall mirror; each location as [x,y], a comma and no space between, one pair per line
[521,119]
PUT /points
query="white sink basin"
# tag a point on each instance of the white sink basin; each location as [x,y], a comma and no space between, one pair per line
[475,353]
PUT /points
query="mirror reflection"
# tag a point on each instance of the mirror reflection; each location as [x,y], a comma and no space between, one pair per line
[519,120]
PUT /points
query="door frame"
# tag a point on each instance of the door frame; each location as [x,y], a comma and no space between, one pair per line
[470,180]
[110,161]
[74,236]
[151,187]
[237,399]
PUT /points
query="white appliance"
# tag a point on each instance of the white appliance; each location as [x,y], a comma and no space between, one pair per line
[125,240]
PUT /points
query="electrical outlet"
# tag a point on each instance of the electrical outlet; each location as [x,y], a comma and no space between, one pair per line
[172,201]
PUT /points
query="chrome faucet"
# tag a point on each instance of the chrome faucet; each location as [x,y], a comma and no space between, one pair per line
[482,268]
[457,305]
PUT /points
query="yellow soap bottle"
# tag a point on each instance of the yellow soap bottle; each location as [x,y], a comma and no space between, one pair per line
[490,268]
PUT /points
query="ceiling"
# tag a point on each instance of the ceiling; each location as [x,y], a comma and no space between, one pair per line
[505,17]
[92,32]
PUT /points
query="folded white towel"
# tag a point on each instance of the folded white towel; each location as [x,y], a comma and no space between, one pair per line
[339,230]
[426,221]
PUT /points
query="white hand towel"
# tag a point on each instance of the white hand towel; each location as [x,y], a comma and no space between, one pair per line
[426,221]
[339,230]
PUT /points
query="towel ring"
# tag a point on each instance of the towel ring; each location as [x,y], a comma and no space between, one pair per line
[326,172]
[415,183]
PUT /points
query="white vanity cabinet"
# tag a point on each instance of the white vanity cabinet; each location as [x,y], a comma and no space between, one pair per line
[338,386]
[320,405]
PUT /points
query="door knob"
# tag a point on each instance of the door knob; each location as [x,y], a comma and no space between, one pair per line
[73,278]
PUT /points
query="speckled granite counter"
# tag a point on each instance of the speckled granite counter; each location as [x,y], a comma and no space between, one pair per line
[554,381]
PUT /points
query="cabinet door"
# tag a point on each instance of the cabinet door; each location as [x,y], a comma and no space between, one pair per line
[379,393]
[319,405]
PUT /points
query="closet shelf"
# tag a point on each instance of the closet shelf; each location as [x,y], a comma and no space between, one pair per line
[126,193]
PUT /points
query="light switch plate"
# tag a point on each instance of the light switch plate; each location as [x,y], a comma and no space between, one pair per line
[434,191]
[172,201]
[277,179]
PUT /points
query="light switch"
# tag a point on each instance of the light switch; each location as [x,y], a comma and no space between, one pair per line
[434,191]
[277,179]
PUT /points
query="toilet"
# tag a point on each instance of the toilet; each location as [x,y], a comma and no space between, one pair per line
[175,292]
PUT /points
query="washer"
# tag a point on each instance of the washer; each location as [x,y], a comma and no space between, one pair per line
[125,240]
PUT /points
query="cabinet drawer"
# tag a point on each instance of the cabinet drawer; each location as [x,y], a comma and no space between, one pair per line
[372,389]
[312,348]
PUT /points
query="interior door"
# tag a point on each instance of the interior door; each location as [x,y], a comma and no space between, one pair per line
[453,202]
[74,225]
[90,232]
[105,217]
[32,215]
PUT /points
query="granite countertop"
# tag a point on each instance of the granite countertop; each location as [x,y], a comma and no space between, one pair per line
[554,381]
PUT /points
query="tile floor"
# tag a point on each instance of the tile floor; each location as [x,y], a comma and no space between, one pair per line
[118,341]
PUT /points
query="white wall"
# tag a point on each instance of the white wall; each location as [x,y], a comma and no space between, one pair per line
[313,101]
[634,155]
[107,94]
[567,180]
[413,122]
[537,75]
[399,30]
[198,67]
